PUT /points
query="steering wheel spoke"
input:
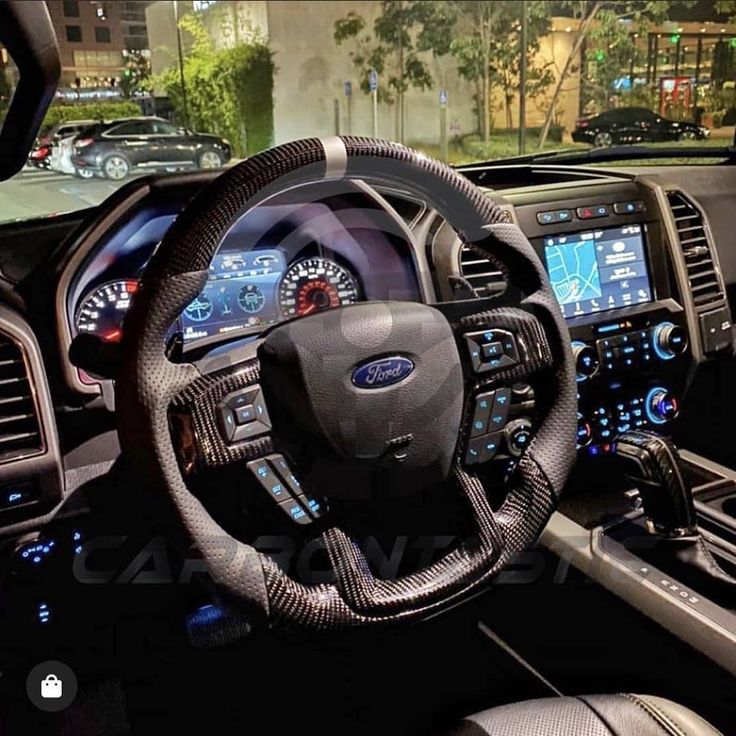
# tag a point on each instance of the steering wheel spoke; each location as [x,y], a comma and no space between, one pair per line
[220,417]
[372,596]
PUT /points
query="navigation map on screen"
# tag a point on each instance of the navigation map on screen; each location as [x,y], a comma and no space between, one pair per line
[598,270]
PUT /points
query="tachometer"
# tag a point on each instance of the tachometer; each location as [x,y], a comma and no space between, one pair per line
[102,310]
[315,284]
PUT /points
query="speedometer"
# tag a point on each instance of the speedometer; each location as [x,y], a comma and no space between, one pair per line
[315,284]
[102,310]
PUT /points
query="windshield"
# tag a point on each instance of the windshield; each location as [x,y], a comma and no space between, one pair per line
[173,85]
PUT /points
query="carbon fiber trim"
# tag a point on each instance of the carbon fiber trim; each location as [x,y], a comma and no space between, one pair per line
[149,384]
[199,401]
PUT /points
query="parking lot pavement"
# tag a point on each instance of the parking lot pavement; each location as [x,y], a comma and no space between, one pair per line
[35,192]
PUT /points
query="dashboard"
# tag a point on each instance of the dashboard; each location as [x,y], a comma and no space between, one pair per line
[289,257]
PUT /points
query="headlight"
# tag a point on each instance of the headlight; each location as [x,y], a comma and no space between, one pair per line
[705,131]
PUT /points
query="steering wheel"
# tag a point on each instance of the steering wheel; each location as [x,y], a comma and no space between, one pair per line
[311,382]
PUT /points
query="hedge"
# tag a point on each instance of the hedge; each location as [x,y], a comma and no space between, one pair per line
[61,112]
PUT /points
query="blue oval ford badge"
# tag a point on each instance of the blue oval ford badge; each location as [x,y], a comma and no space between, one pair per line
[383,372]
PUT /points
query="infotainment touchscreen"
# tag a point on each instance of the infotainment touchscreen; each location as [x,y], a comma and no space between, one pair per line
[598,269]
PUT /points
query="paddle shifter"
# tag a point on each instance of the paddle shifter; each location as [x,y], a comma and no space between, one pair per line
[654,465]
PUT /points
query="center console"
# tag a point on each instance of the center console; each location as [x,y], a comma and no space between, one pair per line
[605,250]
[638,280]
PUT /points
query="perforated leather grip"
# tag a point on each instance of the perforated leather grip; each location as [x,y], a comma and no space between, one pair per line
[148,382]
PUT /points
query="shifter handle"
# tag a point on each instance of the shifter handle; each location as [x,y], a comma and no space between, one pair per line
[654,465]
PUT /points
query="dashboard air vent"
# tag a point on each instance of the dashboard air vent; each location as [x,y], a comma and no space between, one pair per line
[480,273]
[20,434]
[705,282]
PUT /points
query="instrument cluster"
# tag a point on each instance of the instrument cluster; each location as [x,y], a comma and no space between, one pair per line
[245,292]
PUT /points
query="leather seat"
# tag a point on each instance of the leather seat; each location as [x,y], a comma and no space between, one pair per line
[588,715]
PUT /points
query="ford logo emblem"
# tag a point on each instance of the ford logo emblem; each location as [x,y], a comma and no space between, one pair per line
[383,372]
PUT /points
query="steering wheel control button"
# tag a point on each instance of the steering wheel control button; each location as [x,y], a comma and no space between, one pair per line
[482,414]
[51,686]
[500,410]
[295,511]
[482,449]
[268,479]
[518,436]
[491,350]
[243,415]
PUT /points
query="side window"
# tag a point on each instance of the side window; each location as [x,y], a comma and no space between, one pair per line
[161,128]
[127,129]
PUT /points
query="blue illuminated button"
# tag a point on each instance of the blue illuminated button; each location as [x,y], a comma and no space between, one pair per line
[268,479]
[18,495]
[546,218]
[491,444]
[295,511]
[628,208]
[500,410]
[481,414]
[245,414]
[563,215]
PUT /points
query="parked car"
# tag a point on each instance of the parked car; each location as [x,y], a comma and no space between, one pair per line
[44,154]
[115,148]
[634,125]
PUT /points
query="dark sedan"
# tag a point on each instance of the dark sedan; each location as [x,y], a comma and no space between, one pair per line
[634,125]
[113,149]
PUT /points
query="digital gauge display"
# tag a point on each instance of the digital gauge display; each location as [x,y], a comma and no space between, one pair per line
[240,294]
[102,311]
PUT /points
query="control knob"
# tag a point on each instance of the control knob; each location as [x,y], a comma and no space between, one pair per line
[586,360]
[585,431]
[669,340]
[661,405]
[518,436]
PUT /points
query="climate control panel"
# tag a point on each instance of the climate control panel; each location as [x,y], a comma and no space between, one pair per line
[631,374]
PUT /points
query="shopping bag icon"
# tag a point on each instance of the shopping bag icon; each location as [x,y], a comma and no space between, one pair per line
[51,687]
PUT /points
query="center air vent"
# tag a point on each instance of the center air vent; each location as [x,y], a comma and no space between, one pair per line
[705,281]
[20,435]
[480,273]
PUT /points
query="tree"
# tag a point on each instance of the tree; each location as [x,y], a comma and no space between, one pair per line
[487,49]
[136,76]
[229,91]
[392,48]
[601,23]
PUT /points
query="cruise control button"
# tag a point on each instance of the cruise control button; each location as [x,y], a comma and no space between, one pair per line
[481,414]
[295,511]
[268,479]
[278,462]
[315,506]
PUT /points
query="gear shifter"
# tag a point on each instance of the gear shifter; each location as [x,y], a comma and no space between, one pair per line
[654,465]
